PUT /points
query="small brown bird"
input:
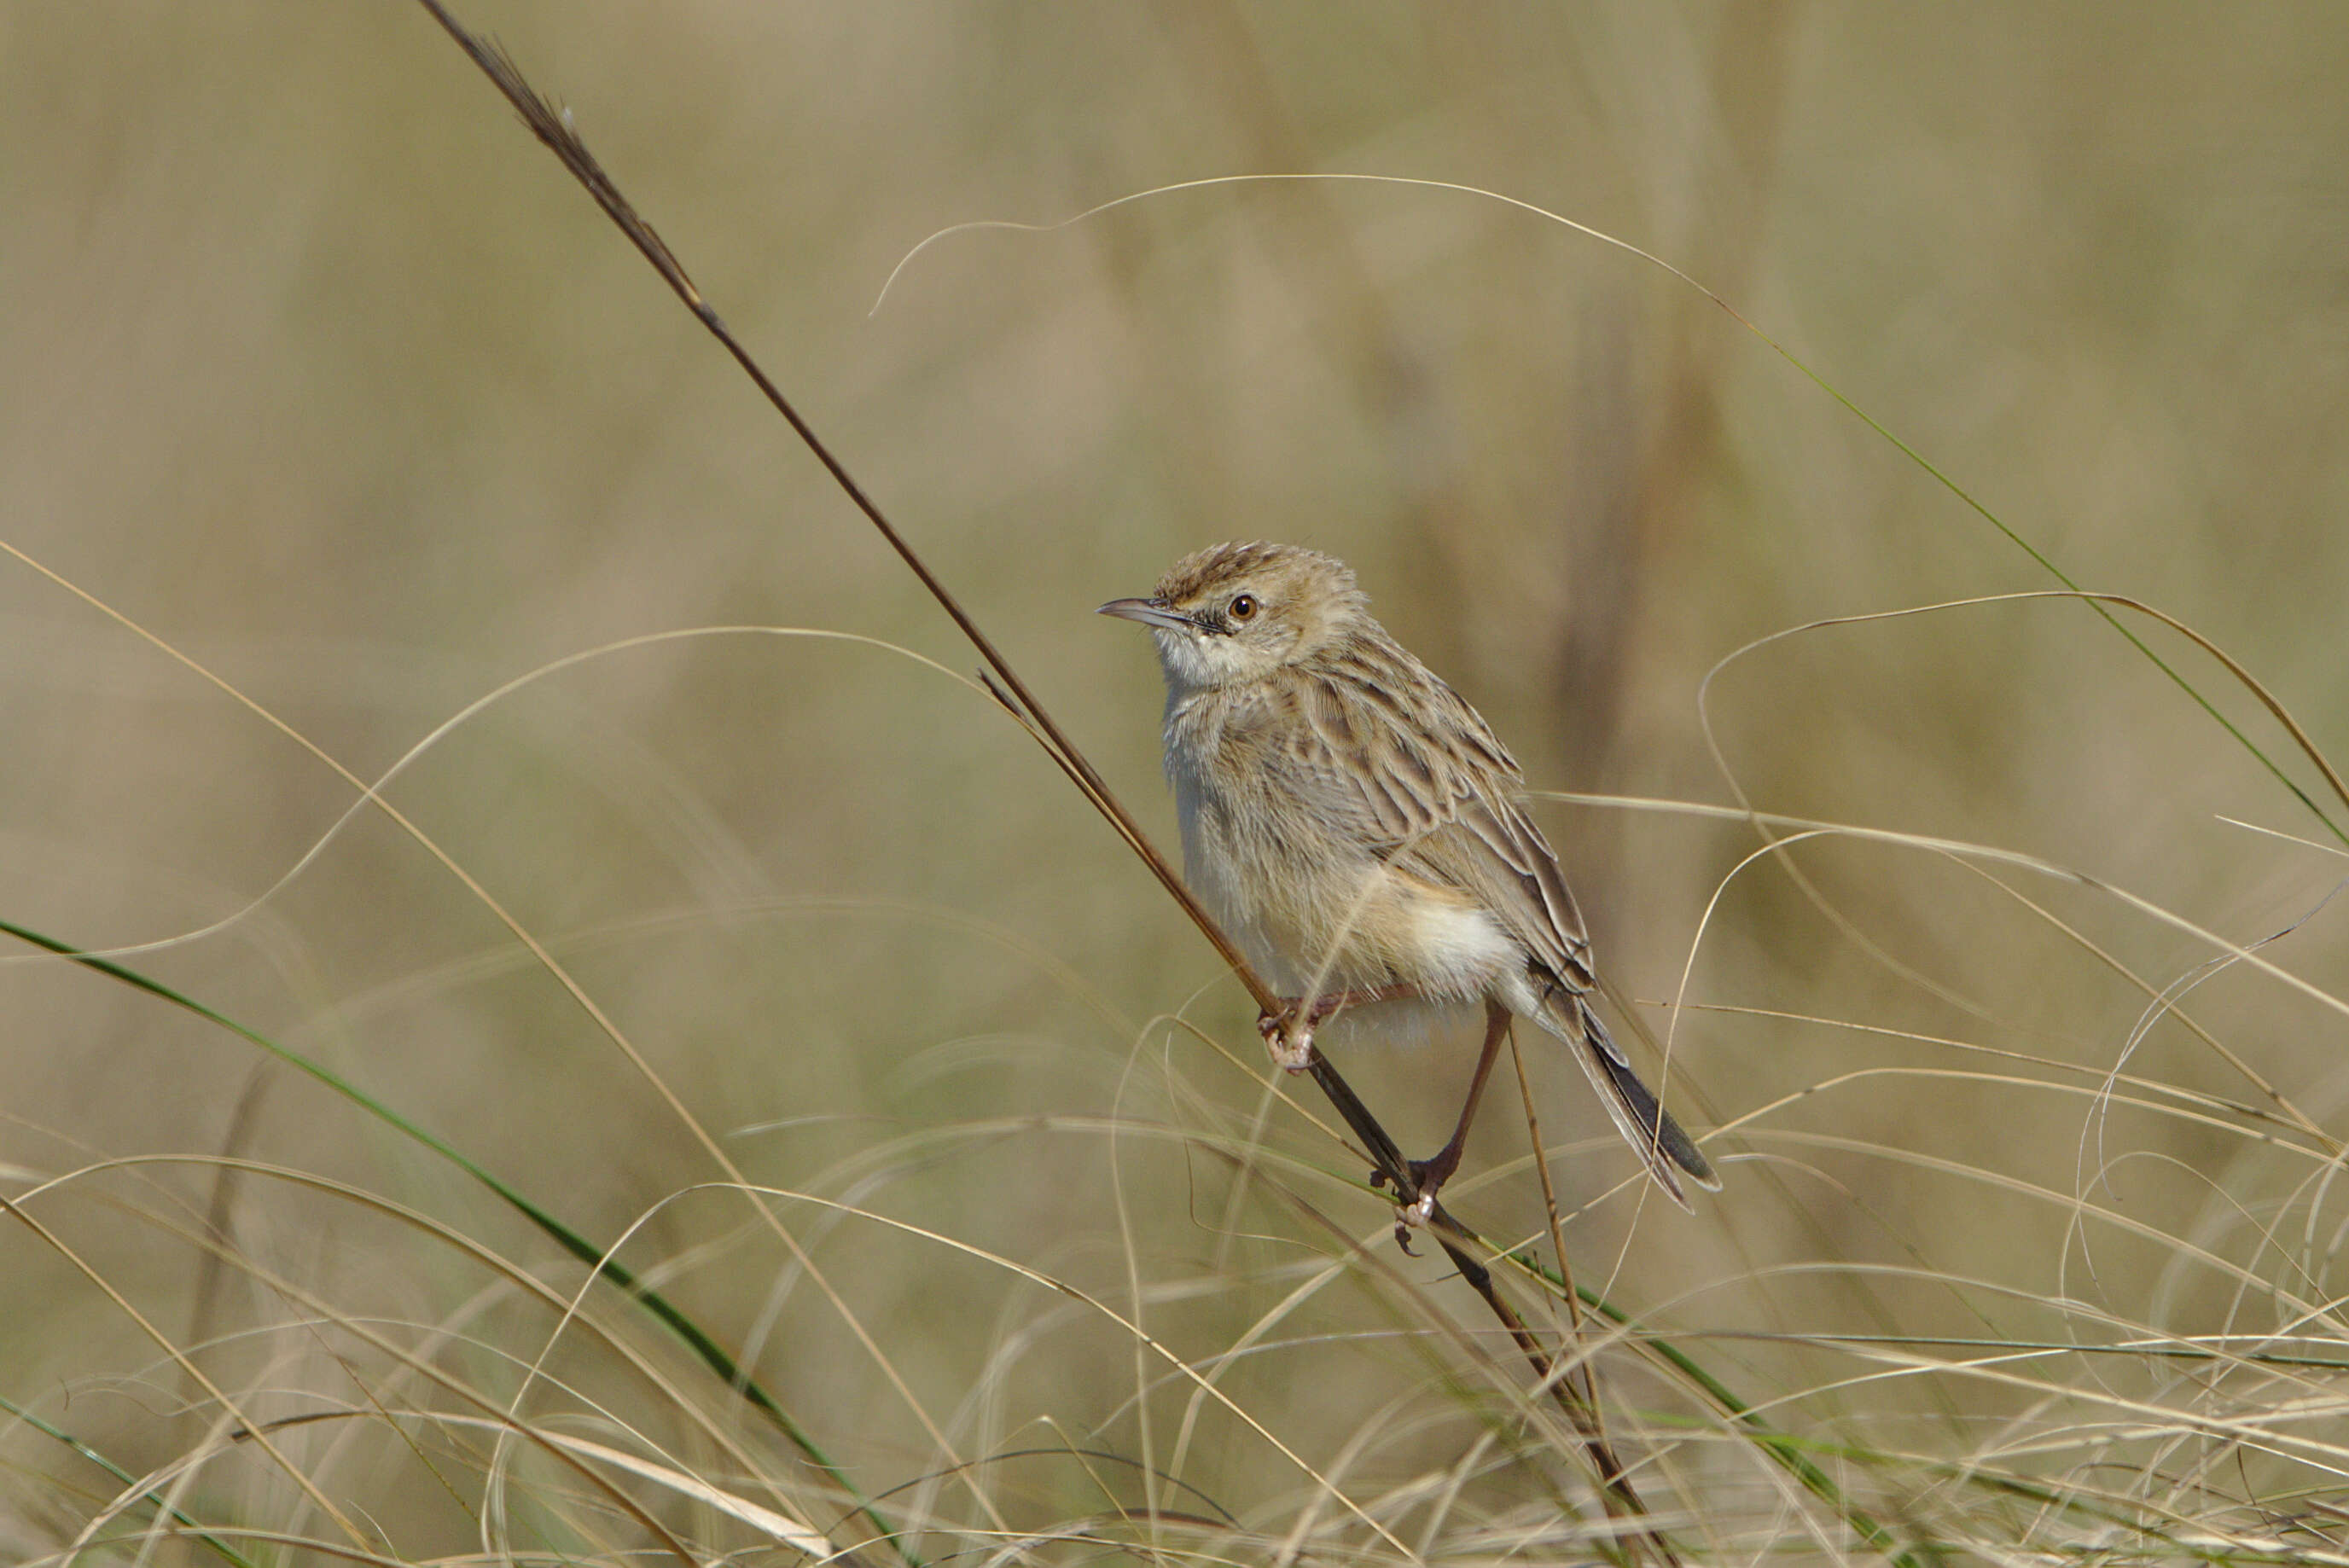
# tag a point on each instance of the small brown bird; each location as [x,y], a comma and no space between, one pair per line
[1362,834]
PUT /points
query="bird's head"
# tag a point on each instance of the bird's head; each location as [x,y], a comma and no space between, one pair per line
[1236,612]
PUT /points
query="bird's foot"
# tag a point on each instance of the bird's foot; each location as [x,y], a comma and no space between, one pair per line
[1288,1036]
[1426,1176]
[1427,1179]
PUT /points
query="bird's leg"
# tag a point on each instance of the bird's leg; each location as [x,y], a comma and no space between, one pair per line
[1288,1034]
[1430,1175]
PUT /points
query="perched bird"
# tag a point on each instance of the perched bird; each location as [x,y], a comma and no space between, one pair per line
[1362,834]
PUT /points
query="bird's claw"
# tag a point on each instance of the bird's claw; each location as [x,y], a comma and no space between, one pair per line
[1418,1211]
[1288,1037]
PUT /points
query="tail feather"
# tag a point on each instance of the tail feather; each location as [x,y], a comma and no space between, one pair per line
[1644,1123]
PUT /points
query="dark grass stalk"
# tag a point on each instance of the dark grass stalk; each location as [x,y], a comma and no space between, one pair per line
[552,126]
[598,1259]
[705,1347]
[1460,1243]
[1782,1447]
[1622,1497]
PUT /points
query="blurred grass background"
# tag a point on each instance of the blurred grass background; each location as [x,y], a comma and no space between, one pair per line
[314,367]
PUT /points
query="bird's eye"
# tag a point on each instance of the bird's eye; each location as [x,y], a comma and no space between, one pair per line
[1243,607]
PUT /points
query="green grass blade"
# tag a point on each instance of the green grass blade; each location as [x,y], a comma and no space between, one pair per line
[711,1354]
[219,1548]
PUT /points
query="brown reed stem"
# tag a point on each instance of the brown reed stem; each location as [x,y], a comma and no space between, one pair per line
[553,127]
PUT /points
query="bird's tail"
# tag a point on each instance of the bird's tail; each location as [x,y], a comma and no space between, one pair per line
[1645,1124]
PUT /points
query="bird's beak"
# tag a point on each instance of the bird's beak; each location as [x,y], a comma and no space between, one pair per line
[1150,612]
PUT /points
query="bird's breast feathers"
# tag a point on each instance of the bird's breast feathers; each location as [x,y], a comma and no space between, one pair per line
[1323,916]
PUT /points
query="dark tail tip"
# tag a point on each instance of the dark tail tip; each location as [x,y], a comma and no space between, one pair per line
[1657,1127]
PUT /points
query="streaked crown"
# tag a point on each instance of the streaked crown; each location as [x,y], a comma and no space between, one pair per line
[1239,611]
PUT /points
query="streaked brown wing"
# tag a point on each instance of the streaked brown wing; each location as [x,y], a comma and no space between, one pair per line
[1537,907]
[1429,789]
[1346,751]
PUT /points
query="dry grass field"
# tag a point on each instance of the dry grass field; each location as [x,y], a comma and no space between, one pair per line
[712,918]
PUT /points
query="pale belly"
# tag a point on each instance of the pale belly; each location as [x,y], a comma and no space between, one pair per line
[1452,955]
[1315,929]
